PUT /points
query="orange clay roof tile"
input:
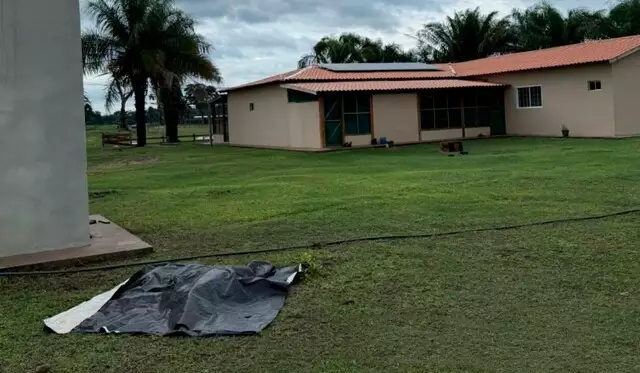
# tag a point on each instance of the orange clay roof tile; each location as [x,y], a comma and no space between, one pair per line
[575,54]
[386,85]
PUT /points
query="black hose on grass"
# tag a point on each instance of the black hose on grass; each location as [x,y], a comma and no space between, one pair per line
[320,245]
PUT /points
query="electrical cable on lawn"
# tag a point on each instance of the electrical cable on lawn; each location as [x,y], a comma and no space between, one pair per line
[320,245]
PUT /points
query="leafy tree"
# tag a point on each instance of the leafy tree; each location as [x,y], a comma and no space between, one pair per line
[120,91]
[191,96]
[466,36]
[143,41]
[87,105]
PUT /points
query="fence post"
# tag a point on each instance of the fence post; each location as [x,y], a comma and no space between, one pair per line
[194,137]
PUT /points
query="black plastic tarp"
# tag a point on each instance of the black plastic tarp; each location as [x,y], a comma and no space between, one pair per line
[188,299]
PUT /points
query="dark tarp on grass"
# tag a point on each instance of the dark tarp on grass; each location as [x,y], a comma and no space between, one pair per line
[185,299]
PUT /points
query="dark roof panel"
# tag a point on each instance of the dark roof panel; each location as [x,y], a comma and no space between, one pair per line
[383,66]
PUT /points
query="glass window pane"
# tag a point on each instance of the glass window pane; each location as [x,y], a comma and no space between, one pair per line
[350,103]
[455,96]
[523,97]
[484,117]
[332,108]
[351,124]
[427,120]
[440,99]
[470,117]
[364,124]
[363,103]
[536,96]
[442,119]
[426,101]
[470,97]
[455,118]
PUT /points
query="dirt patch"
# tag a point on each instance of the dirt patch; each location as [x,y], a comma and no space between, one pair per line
[124,163]
[144,160]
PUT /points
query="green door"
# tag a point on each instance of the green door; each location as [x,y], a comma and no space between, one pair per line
[498,123]
[332,120]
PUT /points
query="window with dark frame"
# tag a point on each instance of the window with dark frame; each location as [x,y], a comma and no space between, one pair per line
[530,97]
[219,117]
[251,107]
[357,114]
[448,109]
[595,85]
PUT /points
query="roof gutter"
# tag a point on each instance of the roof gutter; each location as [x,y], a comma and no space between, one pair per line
[625,54]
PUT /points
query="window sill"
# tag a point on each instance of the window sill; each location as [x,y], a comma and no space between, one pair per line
[529,107]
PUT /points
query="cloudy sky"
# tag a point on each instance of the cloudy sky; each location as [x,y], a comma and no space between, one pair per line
[256,38]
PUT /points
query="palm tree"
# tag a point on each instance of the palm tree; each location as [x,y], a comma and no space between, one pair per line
[543,26]
[349,48]
[582,24]
[466,36]
[623,19]
[377,51]
[138,41]
[187,57]
[346,48]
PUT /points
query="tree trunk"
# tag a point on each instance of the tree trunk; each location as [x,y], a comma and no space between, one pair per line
[139,90]
[123,115]
[171,116]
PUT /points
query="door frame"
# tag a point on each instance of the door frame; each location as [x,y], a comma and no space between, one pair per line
[323,121]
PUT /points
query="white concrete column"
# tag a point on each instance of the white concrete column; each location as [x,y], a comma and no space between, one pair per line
[43,184]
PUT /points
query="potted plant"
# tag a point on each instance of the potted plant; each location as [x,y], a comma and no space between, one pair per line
[565,131]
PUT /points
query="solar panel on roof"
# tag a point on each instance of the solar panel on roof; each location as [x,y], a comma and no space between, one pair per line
[384,66]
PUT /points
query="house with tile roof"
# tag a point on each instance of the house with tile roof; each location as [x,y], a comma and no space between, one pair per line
[591,88]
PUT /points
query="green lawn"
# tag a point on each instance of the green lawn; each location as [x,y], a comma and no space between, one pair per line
[560,298]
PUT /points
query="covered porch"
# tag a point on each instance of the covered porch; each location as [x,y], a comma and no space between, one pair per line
[363,113]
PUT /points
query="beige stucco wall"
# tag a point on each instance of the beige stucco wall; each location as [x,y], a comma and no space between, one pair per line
[565,101]
[218,138]
[267,124]
[477,131]
[450,134]
[434,135]
[274,122]
[304,125]
[395,116]
[358,140]
[626,94]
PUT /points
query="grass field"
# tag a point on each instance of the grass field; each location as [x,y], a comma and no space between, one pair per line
[560,298]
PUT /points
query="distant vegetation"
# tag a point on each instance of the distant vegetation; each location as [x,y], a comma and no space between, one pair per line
[471,34]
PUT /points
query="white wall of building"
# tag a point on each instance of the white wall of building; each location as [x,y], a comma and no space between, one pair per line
[43,190]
